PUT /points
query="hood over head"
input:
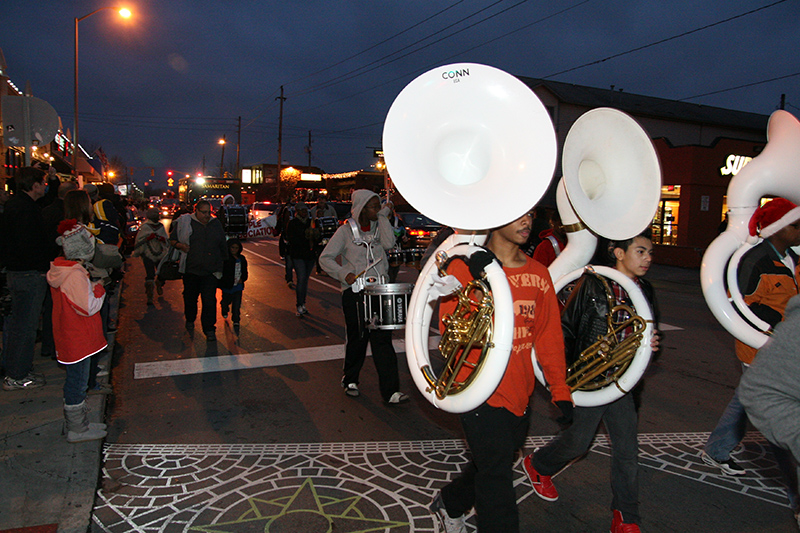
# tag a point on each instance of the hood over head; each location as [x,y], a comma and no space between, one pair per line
[360,199]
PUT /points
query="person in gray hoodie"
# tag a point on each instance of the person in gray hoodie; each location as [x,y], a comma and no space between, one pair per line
[770,389]
[360,244]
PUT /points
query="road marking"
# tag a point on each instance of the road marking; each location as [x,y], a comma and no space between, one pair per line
[223,363]
[244,361]
[228,487]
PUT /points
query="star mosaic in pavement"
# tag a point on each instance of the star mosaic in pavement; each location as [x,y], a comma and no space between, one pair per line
[305,510]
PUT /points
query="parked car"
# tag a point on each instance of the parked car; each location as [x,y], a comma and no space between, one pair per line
[131,229]
[342,210]
[262,210]
[420,230]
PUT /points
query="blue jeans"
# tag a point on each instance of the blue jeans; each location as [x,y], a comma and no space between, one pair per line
[620,419]
[76,381]
[303,268]
[729,432]
[27,297]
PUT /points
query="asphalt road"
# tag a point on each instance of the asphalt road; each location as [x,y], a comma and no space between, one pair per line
[277,387]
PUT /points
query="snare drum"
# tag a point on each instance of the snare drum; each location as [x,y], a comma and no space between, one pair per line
[413,257]
[385,305]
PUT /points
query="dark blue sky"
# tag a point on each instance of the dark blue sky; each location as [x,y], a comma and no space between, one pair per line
[159,89]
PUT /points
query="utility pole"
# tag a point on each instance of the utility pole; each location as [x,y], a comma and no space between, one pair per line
[280,146]
[308,148]
[238,142]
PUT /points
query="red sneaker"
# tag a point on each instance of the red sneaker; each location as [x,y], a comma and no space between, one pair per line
[542,485]
[618,526]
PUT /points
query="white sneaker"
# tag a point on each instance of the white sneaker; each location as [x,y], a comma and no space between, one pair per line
[448,525]
[351,389]
[727,466]
[398,397]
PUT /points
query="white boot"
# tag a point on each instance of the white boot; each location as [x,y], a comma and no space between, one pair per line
[93,425]
[78,427]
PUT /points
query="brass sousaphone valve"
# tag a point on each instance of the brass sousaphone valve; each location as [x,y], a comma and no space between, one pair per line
[609,357]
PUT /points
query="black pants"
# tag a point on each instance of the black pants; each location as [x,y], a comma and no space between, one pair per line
[383,354]
[620,419]
[494,435]
[234,301]
[206,288]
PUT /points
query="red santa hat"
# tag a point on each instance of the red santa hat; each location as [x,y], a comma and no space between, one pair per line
[772,217]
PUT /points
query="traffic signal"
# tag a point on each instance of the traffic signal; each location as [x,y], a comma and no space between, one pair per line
[169,173]
[170,182]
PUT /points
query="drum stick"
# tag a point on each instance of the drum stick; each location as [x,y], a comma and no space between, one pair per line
[365,270]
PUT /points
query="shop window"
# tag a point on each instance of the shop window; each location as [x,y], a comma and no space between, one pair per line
[665,223]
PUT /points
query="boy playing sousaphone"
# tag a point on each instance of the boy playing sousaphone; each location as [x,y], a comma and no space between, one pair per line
[583,318]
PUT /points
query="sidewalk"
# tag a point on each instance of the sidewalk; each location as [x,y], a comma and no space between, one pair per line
[46,483]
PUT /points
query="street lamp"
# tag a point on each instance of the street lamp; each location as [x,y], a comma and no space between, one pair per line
[124,13]
[222,159]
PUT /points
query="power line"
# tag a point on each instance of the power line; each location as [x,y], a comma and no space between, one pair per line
[384,61]
[270,99]
[637,49]
[396,35]
[740,86]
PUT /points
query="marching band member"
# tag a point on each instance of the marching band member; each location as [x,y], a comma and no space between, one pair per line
[767,279]
[497,429]
[583,318]
[360,244]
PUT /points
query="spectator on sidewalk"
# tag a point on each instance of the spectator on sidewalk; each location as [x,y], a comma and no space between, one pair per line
[201,240]
[25,254]
[106,219]
[78,332]
[151,245]
[53,214]
[78,207]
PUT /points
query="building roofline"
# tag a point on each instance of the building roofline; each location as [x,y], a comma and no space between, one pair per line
[650,106]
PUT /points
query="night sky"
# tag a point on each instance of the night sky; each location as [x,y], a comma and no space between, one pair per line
[159,89]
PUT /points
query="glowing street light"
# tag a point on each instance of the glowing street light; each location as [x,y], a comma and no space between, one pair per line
[222,159]
[124,13]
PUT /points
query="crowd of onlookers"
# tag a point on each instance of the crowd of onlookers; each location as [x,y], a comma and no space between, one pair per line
[60,257]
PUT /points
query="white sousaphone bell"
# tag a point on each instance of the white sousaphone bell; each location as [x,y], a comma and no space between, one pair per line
[611,186]
[772,172]
[473,148]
